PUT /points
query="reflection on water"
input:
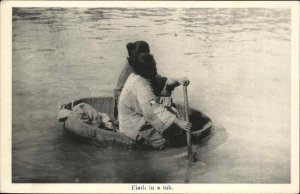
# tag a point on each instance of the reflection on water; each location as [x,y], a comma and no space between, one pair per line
[238,63]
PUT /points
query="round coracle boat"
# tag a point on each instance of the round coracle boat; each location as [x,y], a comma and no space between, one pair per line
[101,136]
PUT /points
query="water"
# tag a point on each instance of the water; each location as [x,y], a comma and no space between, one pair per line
[238,61]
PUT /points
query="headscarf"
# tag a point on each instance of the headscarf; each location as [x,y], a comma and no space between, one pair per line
[134,49]
[144,65]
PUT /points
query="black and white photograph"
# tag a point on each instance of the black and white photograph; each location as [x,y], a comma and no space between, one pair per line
[148,96]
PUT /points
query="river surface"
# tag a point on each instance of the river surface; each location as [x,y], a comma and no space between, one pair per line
[238,61]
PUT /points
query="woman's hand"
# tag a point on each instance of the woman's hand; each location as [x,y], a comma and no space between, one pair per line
[187,126]
[183,81]
[174,82]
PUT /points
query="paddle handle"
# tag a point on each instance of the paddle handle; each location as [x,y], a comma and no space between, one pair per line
[186,110]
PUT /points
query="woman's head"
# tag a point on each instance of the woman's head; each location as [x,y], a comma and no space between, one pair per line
[144,65]
[137,47]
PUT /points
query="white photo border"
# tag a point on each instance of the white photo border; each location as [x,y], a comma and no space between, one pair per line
[6,103]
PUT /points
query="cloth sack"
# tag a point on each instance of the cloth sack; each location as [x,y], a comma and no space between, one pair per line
[87,114]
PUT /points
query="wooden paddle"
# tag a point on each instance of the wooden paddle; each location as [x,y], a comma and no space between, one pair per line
[191,156]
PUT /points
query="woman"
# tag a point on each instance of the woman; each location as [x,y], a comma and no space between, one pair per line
[133,49]
[141,116]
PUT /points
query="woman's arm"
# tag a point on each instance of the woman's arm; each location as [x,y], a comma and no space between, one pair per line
[154,113]
[187,126]
[163,86]
[174,82]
